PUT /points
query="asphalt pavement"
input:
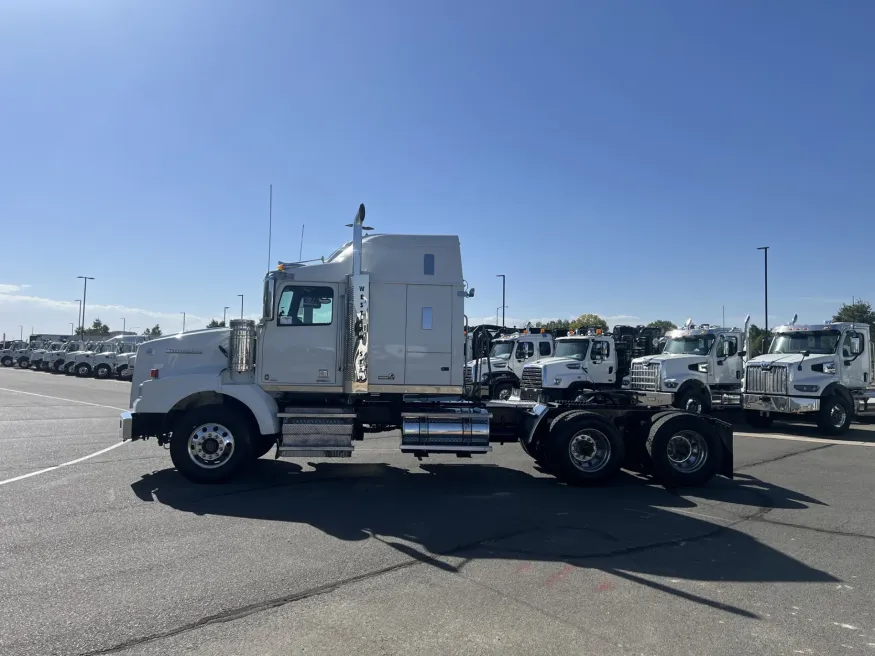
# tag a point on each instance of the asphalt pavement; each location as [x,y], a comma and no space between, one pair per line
[105,549]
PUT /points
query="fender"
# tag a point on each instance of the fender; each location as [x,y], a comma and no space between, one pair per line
[837,389]
[160,396]
[696,384]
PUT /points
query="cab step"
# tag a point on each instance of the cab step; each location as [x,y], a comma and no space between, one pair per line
[316,433]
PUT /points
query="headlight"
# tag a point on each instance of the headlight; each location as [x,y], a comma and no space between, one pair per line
[557,380]
[703,368]
[807,388]
[829,368]
[670,383]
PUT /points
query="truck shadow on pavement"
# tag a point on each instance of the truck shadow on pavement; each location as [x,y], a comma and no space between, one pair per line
[447,515]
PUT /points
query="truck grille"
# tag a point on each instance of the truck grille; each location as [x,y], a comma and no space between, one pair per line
[766,381]
[468,377]
[531,378]
[644,377]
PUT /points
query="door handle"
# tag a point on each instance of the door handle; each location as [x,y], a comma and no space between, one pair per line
[445,368]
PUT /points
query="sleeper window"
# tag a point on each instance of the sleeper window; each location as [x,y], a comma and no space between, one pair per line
[428,264]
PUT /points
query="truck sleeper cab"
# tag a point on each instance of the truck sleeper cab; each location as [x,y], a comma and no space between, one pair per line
[371,339]
[821,372]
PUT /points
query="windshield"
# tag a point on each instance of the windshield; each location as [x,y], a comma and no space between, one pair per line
[814,341]
[690,345]
[572,348]
[501,350]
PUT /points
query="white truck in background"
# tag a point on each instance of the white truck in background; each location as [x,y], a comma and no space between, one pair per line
[700,369]
[335,362]
[40,359]
[55,358]
[126,367]
[7,355]
[113,353]
[498,376]
[821,371]
[72,358]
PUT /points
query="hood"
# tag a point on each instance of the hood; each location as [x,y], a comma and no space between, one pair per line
[184,353]
[543,362]
[680,358]
[791,358]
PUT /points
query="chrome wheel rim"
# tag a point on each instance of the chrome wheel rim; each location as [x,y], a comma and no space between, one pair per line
[210,445]
[589,450]
[504,395]
[838,416]
[694,405]
[82,370]
[687,451]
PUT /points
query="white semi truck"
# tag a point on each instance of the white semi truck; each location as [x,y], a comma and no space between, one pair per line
[700,369]
[821,371]
[104,363]
[7,355]
[40,358]
[371,340]
[499,374]
[71,358]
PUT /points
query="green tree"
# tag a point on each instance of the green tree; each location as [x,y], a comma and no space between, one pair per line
[758,337]
[589,320]
[555,326]
[99,328]
[215,323]
[858,312]
[664,324]
[153,332]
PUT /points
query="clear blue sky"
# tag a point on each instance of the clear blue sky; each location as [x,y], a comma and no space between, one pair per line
[624,158]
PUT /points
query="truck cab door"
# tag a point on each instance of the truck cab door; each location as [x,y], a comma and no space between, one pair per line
[523,355]
[602,362]
[299,345]
[854,360]
[728,363]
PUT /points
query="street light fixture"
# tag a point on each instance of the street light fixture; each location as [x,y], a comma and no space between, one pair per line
[765,250]
[124,323]
[503,300]
[84,295]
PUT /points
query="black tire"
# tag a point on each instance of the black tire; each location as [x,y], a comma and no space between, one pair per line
[121,371]
[214,422]
[69,368]
[57,366]
[755,419]
[82,370]
[102,370]
[263,445]
[584,449]
[835,415]
[693,401]
[23,363]
[502,391]
[690,461]
[7,361]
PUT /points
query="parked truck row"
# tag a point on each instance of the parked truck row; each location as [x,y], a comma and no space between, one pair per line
[110,358]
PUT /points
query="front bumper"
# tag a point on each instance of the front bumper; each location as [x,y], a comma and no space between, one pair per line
[655,399]
[791,405]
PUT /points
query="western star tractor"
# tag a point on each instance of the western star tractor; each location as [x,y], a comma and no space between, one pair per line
[823,372]
[700,369]
[369,340]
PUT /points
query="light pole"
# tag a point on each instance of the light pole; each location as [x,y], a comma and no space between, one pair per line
[500,308]
[72,330]
[503,301]
[765,250]
[124,322]
[84,295]
[183,321]
[241,305]
[21,333]
[225,315]
[79,313]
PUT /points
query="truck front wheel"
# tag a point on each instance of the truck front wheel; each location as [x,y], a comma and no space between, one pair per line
[502,391]
[692,401]
[103,370]
[83,370]
[835,415]
[585,450]
[7,361]
[685,450]
[210,444]
[24,363]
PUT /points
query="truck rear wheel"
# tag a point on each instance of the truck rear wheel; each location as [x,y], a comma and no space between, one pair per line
[755,419]
[685,450]
[210,444]
[584,449]
[835,415]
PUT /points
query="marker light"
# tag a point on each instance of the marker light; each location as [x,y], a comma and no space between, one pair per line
[153,373]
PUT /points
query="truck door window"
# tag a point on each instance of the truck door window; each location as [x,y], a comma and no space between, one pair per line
[305,306]
[543,348]
[600,350]
[852,345]
[731,346]
[721,347]
[524,350]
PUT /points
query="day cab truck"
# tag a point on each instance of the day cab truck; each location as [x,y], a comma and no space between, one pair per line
[371,340]
[498,375]
[700,369]
[821,372]
[585,360]
[8,353]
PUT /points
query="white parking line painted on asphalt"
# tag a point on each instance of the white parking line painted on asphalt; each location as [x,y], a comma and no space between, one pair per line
[71,462]
[800,438]
[58,398]
[65,464]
